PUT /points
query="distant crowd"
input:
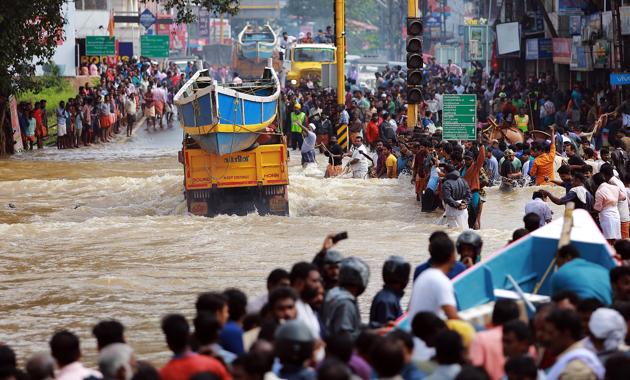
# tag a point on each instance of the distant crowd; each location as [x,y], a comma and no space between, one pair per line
[125,93]
[529,132]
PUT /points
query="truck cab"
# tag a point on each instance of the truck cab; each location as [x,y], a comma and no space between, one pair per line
[306,60]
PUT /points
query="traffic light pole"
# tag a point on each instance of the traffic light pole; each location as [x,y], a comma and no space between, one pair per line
[412,109]
[341,50]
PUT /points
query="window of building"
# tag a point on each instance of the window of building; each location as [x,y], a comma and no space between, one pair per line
[91,5]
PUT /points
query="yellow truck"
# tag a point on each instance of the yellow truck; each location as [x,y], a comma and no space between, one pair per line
[238,183]
[306,60]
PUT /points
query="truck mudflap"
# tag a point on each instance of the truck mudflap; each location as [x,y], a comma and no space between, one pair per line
[265,200]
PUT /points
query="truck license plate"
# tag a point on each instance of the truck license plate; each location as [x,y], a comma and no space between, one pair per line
[277,203]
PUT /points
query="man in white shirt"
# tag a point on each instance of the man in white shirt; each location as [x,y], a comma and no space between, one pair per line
[359,161]
[539,207]
[432,290]
[306,281]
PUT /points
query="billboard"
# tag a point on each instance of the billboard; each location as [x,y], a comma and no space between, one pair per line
[508,38]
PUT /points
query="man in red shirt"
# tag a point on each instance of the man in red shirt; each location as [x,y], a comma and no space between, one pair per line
[185,363]
[372,130]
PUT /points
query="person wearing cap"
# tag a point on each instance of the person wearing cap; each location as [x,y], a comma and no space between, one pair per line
[298,121]
[308,144]
[508,170]
[542,168]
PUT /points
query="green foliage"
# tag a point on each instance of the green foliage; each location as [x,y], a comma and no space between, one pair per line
[53,80]
[184,8]
[359,40]
[29,30]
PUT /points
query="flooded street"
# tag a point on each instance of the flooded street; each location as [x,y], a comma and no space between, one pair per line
[103,232]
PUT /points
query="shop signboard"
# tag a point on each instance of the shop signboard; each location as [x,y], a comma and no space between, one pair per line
[581,59]
[561,51]
[538,48]
[620,79]
[571,6]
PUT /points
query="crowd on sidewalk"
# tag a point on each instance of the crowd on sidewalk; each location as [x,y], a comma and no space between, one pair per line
[308,326]
[125,93]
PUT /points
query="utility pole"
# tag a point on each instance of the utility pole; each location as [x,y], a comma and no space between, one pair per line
[340,35]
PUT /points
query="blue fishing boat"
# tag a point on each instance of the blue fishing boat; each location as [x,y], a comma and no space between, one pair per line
[256,43]
[227,118]
[523,269]
[526,266]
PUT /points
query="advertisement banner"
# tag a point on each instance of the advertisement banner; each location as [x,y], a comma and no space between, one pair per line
[607,28]
[203,21]
[580,56]
[508,38]
[177,33]
[601,54]
[476,43]
[538,48]
[218,26]
[619,79]
[624,16]
[561,51]
[531,49]
[545,48]
[575,25]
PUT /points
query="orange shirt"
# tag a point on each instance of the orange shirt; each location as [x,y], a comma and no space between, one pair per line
[182,368]
[543,165]
[472,173]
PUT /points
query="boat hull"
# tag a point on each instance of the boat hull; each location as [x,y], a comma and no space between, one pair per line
[224,143]
[225,120]
[526,261]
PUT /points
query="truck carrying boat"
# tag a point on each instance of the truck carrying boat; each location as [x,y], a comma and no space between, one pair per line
[256,43]
[233,152]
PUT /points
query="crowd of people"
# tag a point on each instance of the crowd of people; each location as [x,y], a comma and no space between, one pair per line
[308,325]
[125,93]
[551,137]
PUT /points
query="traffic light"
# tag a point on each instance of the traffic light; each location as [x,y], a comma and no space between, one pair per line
[414,60]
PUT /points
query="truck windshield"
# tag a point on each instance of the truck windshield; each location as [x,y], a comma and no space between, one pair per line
[313,55]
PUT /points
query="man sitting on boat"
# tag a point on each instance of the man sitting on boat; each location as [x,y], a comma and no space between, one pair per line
[586,279]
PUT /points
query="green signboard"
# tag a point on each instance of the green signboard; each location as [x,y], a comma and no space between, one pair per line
[459,117]
[154,46]
[100,45]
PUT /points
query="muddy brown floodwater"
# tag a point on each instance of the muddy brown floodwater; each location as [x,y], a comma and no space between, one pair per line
[102,232]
